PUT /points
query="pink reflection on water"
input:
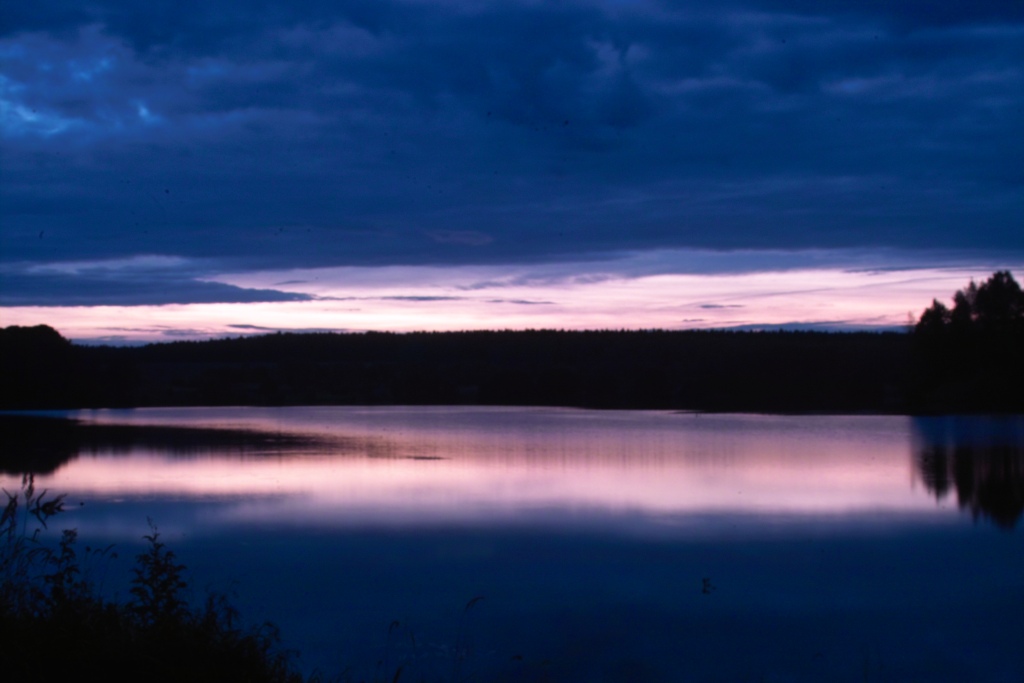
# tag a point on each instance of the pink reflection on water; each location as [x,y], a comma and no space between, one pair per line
[414,466]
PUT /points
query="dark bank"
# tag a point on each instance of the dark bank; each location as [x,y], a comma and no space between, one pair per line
[778,372]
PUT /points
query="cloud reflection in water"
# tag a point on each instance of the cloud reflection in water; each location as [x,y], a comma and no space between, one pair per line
[415,467]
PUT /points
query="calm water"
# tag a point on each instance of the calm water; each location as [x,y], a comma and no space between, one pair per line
[607,546]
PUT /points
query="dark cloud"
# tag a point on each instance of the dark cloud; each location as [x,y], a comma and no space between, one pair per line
[818,325]
[414,298]
[906,14]
[262,329]
[470,237]
[183,333]
[521,302]
[385,132]
[74,289]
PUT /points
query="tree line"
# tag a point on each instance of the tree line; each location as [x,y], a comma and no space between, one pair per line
[741,371]
[961,359]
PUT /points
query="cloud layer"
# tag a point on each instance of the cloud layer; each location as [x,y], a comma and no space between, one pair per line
[314,134]
[126,282]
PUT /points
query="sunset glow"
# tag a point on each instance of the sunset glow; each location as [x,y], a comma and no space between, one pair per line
[575,296]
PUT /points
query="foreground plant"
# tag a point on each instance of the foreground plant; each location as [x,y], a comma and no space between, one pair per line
[22,557]
[54,624]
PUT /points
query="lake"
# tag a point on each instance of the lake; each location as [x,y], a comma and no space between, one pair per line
[475,543]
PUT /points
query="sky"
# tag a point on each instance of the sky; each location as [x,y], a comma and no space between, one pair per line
[186,169]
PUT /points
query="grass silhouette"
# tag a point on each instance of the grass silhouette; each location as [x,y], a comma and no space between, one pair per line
[53,621]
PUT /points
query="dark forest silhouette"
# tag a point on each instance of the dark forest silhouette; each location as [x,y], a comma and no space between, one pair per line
[737,371]
[970,358]
[966,358]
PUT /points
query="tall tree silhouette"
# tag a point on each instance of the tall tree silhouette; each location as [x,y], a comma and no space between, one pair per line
[999,304]
[971,357]
[995,306]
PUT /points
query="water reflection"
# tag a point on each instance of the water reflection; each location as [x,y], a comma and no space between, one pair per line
[982,460]
[593,535]
[43,444]
[660,472]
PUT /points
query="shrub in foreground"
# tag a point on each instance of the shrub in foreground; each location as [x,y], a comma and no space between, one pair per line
[54,624]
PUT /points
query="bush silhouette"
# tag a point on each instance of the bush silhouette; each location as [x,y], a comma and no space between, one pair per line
[54,623]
